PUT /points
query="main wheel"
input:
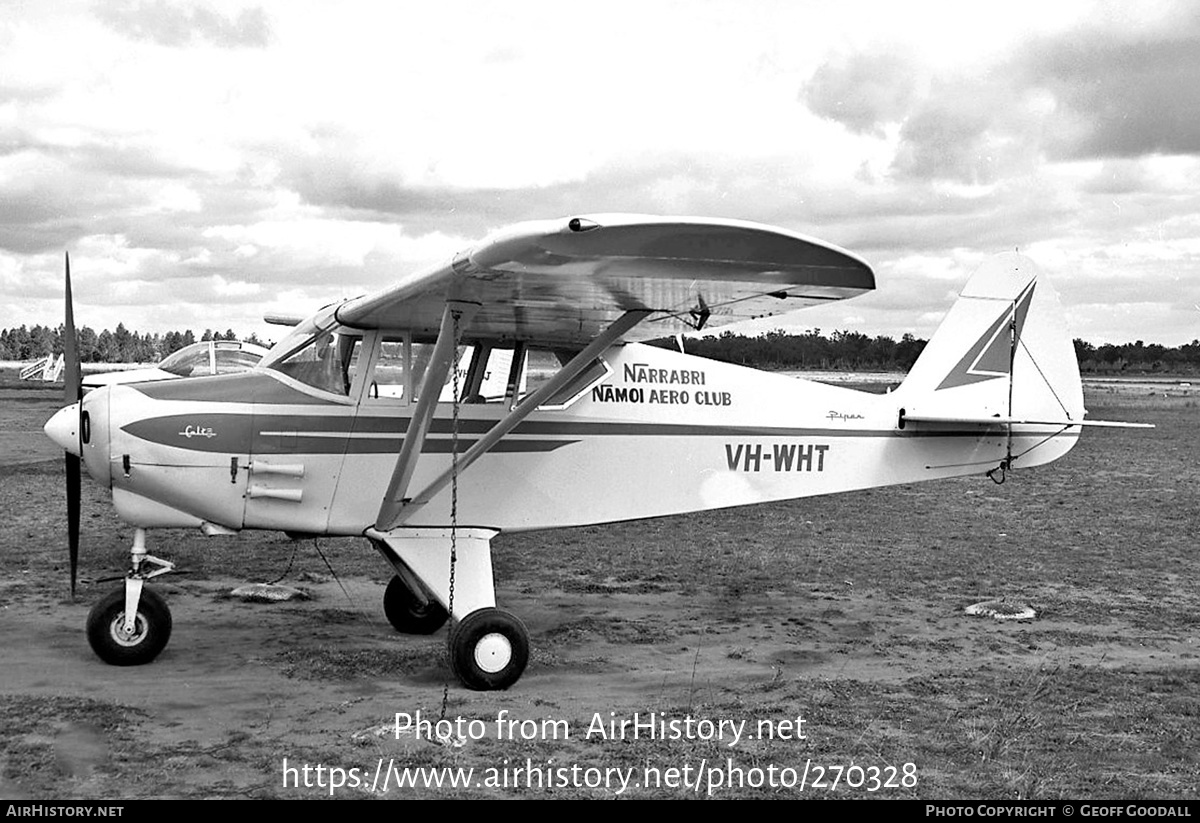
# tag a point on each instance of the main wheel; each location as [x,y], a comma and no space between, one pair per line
[151,629]
[407,613]
[489,649]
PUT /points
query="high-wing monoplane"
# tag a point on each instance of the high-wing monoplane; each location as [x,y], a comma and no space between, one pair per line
[47,369]
[370,417]
[194,360]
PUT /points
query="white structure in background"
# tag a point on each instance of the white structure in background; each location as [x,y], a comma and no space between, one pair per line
[49,368]
[196,360]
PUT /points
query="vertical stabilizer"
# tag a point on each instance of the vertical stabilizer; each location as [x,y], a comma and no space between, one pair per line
[1002,351]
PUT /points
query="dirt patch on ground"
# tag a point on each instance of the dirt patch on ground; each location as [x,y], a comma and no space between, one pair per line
[846,612]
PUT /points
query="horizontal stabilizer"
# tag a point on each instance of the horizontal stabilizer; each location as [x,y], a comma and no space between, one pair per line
[277,319]
[1014,421]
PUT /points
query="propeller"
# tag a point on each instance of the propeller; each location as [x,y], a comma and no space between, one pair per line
[72,395]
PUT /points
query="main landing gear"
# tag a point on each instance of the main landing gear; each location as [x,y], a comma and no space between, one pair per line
[489,647]
[410,610]
[132,624]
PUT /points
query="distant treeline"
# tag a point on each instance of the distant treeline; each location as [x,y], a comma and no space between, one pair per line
[1138,357]
[120,346]
[841,350]
[852,351]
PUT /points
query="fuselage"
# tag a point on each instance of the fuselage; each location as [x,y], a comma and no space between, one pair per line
[648,432]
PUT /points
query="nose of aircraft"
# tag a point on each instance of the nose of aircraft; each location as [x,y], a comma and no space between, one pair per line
[63,428]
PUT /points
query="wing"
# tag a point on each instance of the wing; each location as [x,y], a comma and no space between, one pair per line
[560,282]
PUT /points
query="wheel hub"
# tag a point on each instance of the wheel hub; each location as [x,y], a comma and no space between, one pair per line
[493,652]
[125,638]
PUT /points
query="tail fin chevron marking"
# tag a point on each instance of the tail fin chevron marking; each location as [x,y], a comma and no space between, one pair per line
[991,356]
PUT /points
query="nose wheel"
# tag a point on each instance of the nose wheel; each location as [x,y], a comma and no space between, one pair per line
[116,641]
[132,624]
[489,649]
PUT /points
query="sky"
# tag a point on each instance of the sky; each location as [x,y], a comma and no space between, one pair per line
[206,162]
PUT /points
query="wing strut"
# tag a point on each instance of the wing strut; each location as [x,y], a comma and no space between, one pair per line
[512,386]
[565,375]
[440,362]
[475,374]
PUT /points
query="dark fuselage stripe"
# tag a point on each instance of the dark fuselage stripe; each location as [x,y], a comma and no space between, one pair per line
[324,434]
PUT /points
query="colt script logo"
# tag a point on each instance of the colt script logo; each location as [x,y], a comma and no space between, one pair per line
[197,431]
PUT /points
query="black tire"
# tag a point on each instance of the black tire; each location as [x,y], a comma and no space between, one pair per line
[152,629]
[489,649]
[407,613]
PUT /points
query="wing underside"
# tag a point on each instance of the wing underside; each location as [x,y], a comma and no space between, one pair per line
[560,282]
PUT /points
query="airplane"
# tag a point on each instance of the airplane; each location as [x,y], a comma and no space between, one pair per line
[346,427]
[47,369]
[195,360]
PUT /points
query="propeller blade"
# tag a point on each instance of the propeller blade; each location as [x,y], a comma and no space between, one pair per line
[73,382]
[72,393]
[73,498]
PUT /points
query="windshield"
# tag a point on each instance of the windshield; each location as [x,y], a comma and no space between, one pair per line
[300,336]
[316,355]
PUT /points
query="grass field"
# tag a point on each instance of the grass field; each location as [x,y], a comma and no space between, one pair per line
[845,610]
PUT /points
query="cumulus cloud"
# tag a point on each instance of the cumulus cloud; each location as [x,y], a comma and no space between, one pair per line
[1121,94]
[945,139]
[54,194]
[214,182]
[1120,177]
[863,91]
[661,183]
[181,24]
[1103,89]
[970,127]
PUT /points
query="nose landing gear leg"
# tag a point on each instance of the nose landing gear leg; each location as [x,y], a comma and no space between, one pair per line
[132,624]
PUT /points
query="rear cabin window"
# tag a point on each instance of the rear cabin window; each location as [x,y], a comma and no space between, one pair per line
[484,374]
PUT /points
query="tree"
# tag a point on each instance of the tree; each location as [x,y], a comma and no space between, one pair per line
[86,341]
[106,350]
[123,341]
[41,341]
